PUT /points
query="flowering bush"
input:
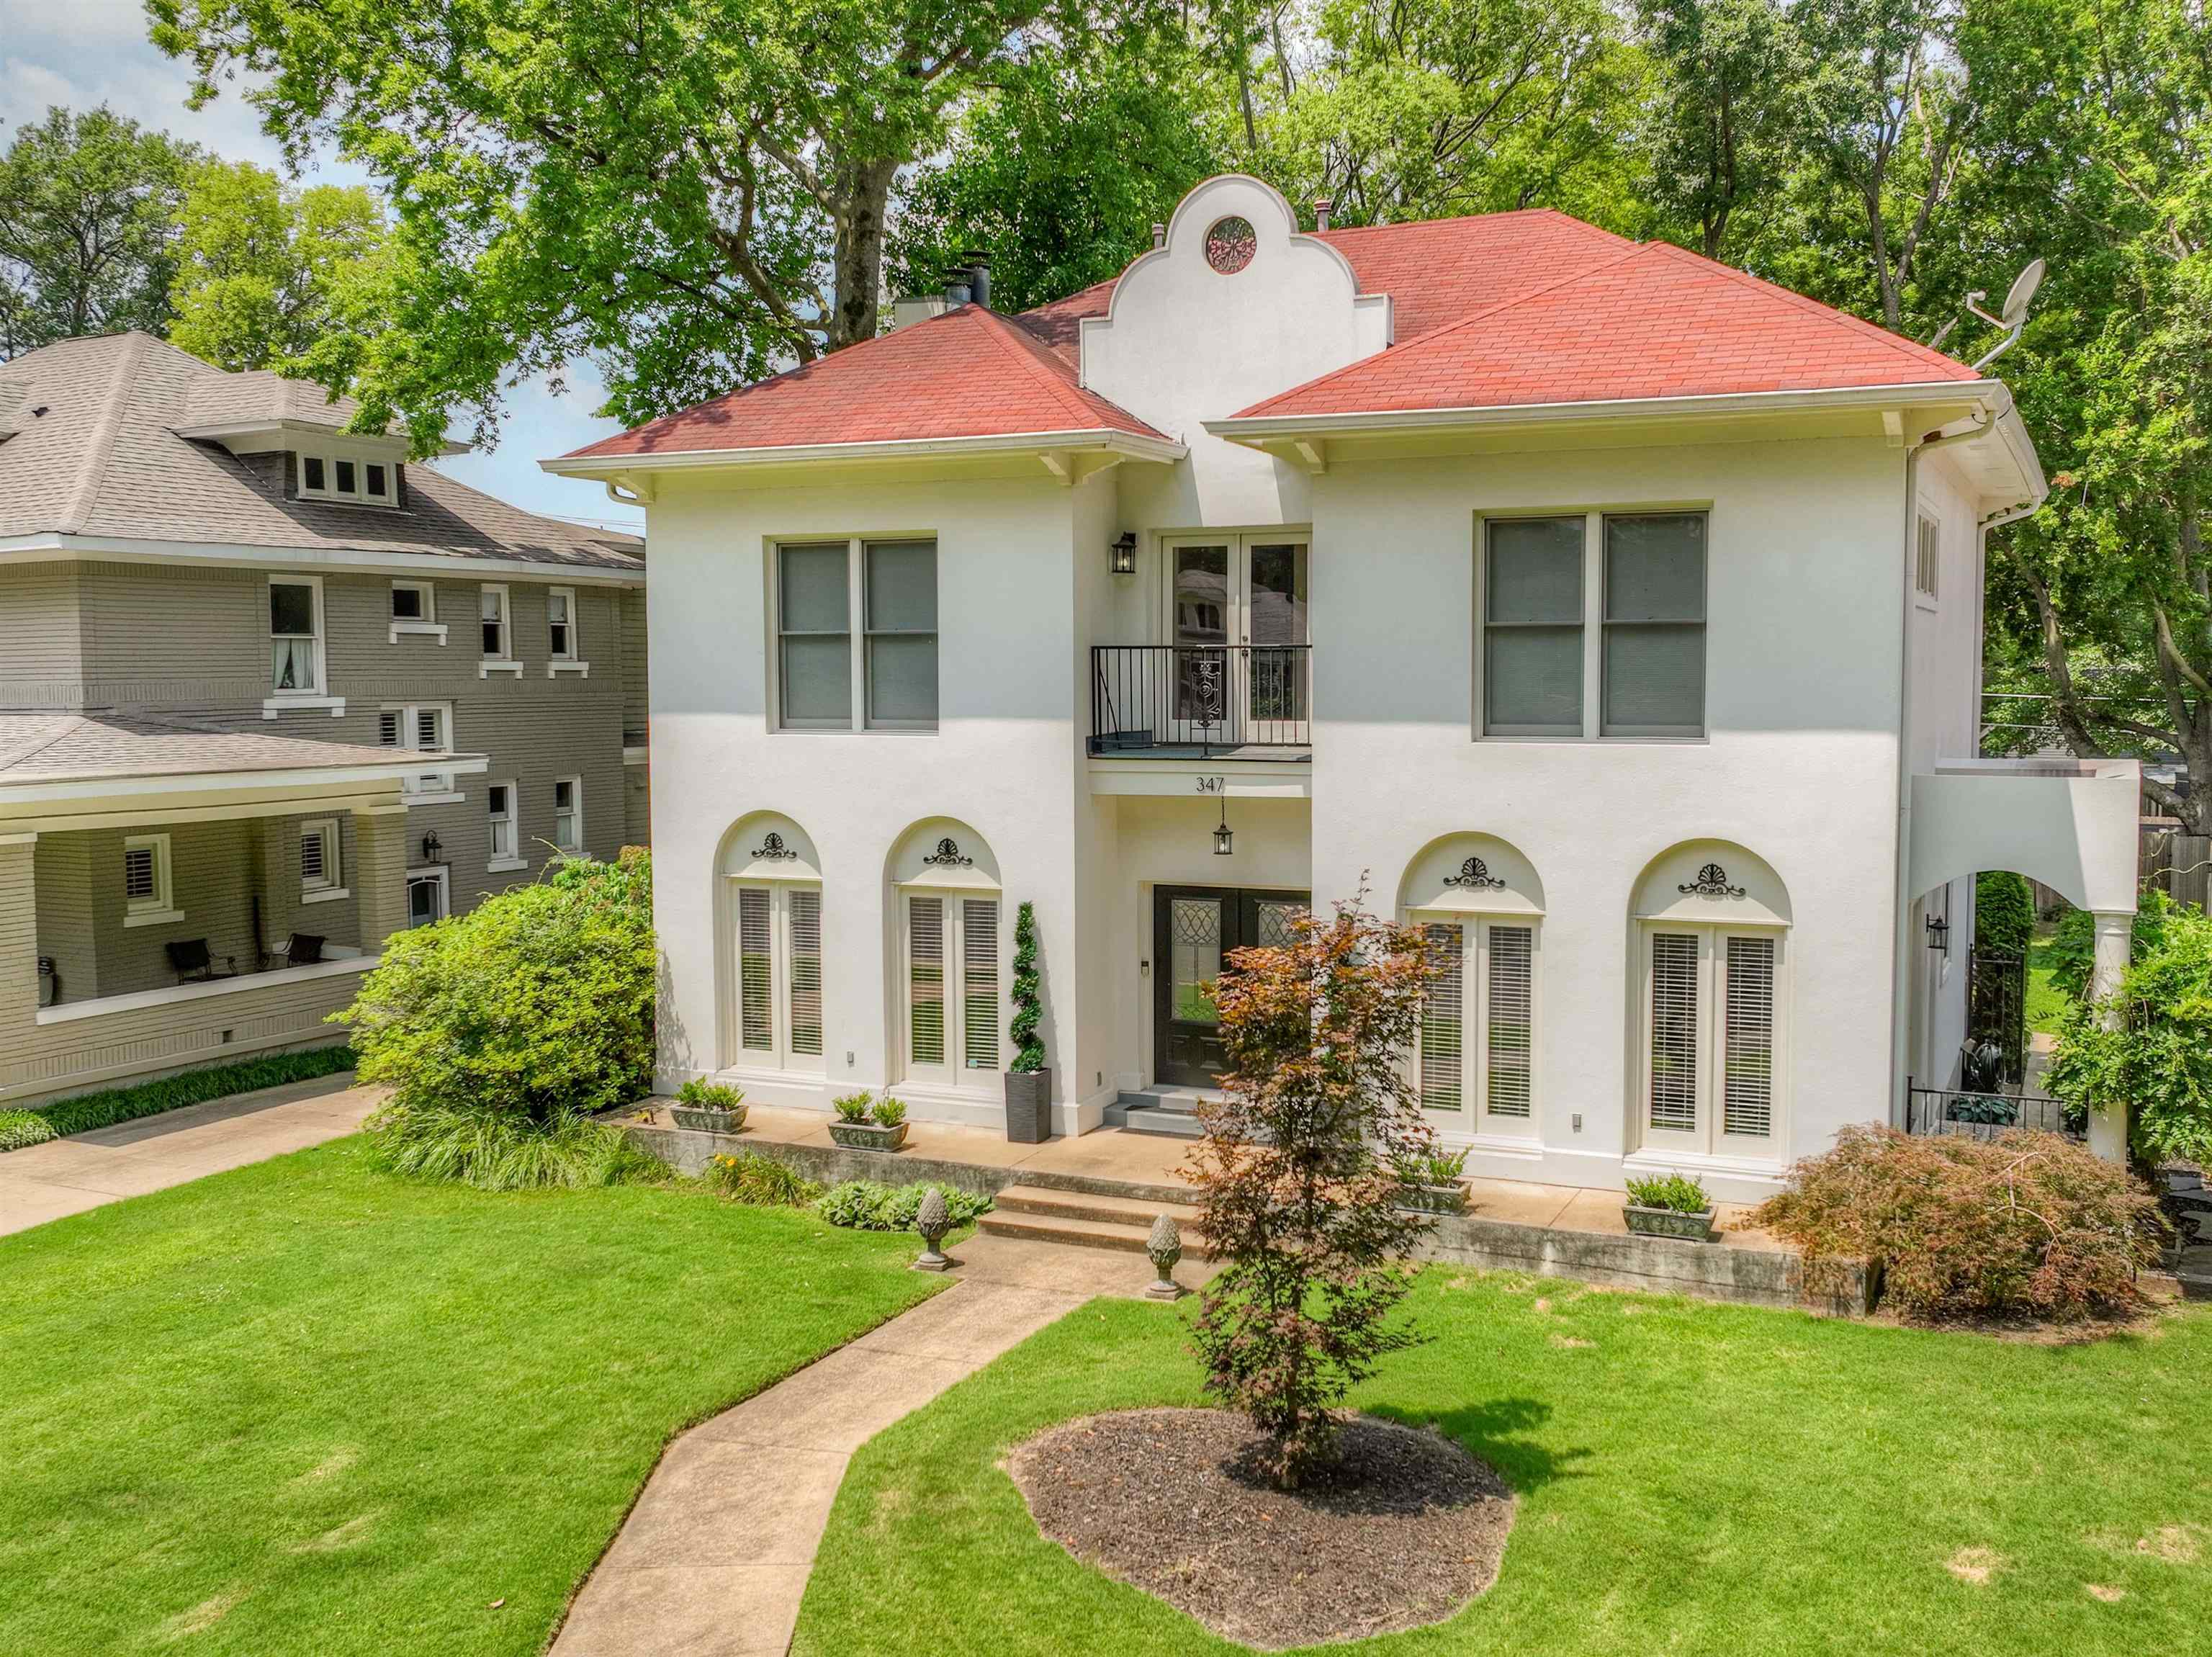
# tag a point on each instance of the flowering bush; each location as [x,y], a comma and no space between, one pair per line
[1961,1227]
[760,1181]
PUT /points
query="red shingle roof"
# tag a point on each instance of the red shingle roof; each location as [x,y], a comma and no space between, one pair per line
[969,373]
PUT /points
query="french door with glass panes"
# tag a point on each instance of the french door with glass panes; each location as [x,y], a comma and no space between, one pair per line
[1712,1028]
[774,1015]
[952,983]
[1237,617]
[1476,1063]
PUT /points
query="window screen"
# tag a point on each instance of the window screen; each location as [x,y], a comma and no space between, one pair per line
[925,937]
[1533,628]
[1674,1051]
[1747,1050]
[1511,1009]
[1655,626]
[1444,1022]
[814,621]
[902,633]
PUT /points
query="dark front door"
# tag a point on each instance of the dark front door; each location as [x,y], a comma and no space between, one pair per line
[1194,930]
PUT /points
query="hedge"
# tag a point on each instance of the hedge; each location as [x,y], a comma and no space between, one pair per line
[105,1109]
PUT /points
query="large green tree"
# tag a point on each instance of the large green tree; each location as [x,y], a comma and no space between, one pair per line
[88,204]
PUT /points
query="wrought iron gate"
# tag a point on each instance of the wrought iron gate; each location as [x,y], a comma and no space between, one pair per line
[1997,1010]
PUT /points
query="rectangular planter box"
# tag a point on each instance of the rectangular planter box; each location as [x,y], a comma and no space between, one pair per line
[1028,1106]
[1434,1199]
[1667,1222]
[867,1135]
[708,1121]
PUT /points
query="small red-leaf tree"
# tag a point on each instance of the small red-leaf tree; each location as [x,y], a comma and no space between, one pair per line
[1298,1174]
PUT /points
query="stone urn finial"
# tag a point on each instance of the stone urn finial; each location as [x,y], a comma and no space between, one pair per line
[932,1221]
[1165,1247]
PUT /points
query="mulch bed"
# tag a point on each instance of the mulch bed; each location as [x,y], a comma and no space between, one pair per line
[1405,1531]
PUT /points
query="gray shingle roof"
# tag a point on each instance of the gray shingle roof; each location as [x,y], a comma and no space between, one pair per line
[105,461]
[87,747]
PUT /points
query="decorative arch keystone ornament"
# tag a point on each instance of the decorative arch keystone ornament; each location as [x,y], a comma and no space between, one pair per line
[1712,881]
[947,855]
[1475,874]
[772,850]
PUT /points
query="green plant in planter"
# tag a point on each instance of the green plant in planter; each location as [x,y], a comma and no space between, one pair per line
[888,1112]
[855,1107]
[710,1095]
[1432,1167]
[1672,1192]
[1029,1049]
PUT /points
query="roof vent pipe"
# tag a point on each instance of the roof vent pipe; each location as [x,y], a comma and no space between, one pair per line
[1159,235]
[979,280]
[956,291]
[1322,206]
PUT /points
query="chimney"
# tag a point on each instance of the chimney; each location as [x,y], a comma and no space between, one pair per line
[1321,205]
[1159,235]
[911,308]
[956,290]
[979,279]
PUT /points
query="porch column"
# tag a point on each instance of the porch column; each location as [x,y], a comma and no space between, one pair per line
[19,944]
[380,860]
[2108,1118]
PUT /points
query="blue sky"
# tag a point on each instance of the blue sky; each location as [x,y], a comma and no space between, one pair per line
[84,52]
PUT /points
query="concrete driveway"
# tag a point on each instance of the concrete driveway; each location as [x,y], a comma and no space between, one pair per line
[68,1176]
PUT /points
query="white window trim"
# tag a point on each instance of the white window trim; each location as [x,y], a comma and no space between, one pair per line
[1709,1147]
[515,860]
[856,635]
[332,886]
[319,697]
[506,661]
[434,785]
[440,873]
[1477,1126]
[428,626]
[576,810]
[570,661]
[954,1075]
[1593,620]
[780,1056]
[359,495]
[1929,597]
[160,909]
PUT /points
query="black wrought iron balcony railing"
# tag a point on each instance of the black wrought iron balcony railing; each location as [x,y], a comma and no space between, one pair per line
[1207,700]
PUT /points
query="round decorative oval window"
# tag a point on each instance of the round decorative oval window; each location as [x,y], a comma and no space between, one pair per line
[1230,245]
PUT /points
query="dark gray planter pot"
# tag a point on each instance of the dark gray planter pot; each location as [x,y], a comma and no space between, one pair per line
[701,1121]
[867,1135]
[1669,1222]
[1433,1199]
[1028,1106]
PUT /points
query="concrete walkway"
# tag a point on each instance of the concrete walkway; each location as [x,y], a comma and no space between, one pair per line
[67,1176]
[713,1559]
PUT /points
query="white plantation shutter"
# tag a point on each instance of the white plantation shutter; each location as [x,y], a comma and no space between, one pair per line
[805,971]
[979,976]
[1512,1003]
[756,1009]
[1674,1089]
[925,979]
[1747,1048]
[427,722]
[139,884]
[388,728]
[1444,1022]
[313,865]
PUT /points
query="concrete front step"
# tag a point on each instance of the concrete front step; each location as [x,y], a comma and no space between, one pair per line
[1105,1208]
[1162,1119]
[1086,1221]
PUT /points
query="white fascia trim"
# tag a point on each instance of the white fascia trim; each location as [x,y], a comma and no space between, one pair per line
[1129,445]
[272,706]
[50,544]
[150,787]
[381,445]
[1248,429]
[69,1012]
[452,797]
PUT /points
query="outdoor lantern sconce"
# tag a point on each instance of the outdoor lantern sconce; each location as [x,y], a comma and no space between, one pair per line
[1224,841]
[1938,935]
[1124,552]
[431,847]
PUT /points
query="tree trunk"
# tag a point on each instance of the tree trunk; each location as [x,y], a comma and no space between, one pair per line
[862,189]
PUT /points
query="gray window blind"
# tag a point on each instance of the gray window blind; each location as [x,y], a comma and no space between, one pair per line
[902,633]
[979,980]
[1655,626]
[1532,633]
[1444,1022]
[814,624]
[1747,1048]
[755,1005]
[1674,1052]
[1928,559]
[1512,990]
[805,971]
[925,952]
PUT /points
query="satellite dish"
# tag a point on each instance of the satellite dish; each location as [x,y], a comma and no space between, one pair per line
[2021,291]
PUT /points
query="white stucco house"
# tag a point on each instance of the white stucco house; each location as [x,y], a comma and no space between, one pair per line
[1610,611]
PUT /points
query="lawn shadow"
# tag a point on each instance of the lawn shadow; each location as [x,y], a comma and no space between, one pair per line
[1498,1431]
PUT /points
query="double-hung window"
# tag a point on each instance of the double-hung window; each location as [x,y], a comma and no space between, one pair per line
[1477,1049]
[1712,1028]
[149,897]
[568,814]
[563,633]
[883,593]
[501,807]
[776,937]
[952,988]
[495,628]
[1594,625]
[296,635]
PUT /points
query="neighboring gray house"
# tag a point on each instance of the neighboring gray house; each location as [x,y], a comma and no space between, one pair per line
[269,693]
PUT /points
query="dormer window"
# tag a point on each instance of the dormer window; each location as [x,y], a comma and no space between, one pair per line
[328,478]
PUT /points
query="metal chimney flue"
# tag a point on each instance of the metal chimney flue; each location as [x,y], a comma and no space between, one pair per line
[979,280]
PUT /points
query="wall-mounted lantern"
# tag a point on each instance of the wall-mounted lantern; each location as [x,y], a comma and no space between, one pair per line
[1938,935]
[1224,840]
[431,847]
[1124,552]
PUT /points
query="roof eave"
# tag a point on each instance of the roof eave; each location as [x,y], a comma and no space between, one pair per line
[276,433]
[151,787]
[1134,446]
[48,546]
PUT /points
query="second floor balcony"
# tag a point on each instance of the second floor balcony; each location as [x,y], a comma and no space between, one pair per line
[1201,702]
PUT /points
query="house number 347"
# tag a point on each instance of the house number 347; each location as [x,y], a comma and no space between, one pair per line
[1211,785]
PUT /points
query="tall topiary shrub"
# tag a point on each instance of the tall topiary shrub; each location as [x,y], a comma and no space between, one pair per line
[1029,1047]
[2004,912]
[1297,1175]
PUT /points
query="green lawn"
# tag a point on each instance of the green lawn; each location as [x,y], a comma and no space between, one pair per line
[1694,1478]
[2046,1002]
[306,1407]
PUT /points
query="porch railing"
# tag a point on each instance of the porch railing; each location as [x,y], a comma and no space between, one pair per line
[1984,1116]
[1207,696]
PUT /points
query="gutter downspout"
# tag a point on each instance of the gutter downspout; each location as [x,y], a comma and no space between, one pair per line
[1902,941]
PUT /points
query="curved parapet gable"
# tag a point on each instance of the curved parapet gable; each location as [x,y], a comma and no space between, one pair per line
[1471,874]
[1713,882]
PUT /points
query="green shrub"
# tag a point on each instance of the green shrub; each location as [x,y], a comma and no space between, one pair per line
[1430,1166]
[112,1104]
[21,1128]
[508,1026]
[710,1095]
[1674,1193]
[2072,953]
[870,1205]
[2020,1224]
[1029,1047]
[761,1181]
[854,1107]
[888,1112]
[500,1151]
[2159,1060]
[2004,912]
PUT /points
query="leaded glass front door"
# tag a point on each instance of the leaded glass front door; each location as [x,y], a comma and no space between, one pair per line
[1194,929]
